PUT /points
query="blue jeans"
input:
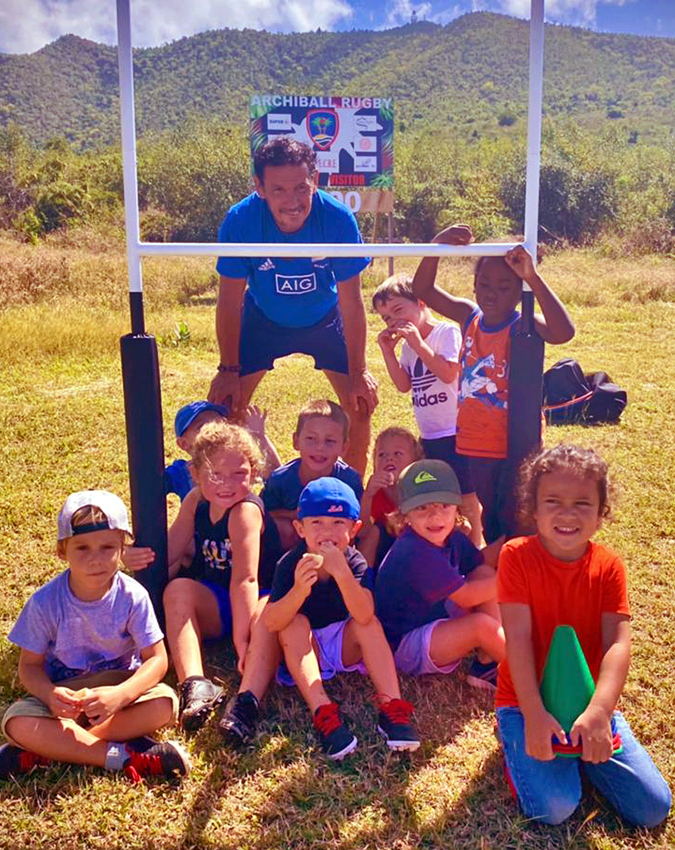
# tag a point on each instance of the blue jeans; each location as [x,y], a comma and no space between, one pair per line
[550,791]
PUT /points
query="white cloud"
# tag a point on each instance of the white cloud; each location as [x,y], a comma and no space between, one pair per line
[27,25]
[401,12]
[581,13]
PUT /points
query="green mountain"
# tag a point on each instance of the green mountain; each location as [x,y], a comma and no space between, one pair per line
[470,76]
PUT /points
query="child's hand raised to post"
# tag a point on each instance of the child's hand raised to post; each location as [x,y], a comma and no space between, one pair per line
[456,234]
[539,731]
[306,573]
[520,260]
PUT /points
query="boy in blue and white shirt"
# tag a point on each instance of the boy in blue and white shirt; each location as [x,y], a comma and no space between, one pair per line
[92,657]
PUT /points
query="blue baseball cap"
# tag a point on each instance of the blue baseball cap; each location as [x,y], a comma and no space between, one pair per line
[187,414]
[328,497]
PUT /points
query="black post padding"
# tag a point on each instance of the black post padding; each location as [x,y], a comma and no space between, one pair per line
[137,316]
[526,370]
[145,445]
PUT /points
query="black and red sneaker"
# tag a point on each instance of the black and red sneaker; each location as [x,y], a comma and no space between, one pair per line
[394,723]
[336,739]
[14,761]
[166,759]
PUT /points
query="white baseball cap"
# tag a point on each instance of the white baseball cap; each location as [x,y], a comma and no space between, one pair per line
[111,505]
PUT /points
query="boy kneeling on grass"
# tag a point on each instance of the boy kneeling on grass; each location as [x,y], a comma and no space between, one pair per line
[92,657]
[322,607]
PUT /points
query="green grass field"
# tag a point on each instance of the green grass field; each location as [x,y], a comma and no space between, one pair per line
[63,430]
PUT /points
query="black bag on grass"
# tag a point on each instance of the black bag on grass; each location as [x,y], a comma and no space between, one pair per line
[571,396]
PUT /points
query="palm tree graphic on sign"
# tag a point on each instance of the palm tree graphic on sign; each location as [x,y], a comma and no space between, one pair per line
[322,125]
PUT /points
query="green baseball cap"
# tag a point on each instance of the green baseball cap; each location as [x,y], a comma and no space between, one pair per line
[428,481]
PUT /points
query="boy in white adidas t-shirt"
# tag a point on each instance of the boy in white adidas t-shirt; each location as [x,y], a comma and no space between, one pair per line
[427,366]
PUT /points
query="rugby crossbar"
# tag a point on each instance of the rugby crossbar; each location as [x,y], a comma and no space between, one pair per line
[320,249]
[139,355]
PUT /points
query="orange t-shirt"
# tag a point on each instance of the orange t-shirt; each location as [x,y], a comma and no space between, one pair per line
[572,593]
[482,419]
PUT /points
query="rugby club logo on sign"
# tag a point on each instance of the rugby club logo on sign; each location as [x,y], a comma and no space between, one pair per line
[323,126]
[295,284]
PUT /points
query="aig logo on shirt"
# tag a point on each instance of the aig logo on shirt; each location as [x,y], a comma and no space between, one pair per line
[294,284]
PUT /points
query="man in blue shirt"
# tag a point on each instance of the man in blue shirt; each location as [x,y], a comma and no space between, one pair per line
[271,307]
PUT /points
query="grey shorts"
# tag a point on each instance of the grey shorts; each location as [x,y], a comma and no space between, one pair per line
[412,656]
[34,707]
[329,642]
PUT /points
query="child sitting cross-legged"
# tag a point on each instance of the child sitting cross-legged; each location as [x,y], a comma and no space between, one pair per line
[321,439]
[322,607]
[434,595]
[92,658]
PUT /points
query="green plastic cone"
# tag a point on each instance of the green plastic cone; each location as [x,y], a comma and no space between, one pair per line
[567,685]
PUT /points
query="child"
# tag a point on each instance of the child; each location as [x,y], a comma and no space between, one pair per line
[236,549]
[322,607]
[92,657]
[435,597]
[395,448]
[320,437]
[487,327]
[189,419]
[428,367]
[558,576]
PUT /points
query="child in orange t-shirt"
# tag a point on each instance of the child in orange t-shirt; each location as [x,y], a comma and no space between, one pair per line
[559,577]
[487,327]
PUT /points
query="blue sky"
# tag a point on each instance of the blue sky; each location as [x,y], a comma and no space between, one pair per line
[27,25]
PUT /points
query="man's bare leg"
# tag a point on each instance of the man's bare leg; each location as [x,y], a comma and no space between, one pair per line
[359,431]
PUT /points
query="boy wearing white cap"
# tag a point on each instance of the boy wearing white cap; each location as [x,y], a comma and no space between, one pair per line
[322,607]
[92,657]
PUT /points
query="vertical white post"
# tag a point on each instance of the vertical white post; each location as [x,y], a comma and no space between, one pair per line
[126,77]
[534,126]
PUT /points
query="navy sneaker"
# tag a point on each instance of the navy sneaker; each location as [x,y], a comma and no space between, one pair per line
[14,761]
[394,723]
[482,675]
[238,721]
[197,698]
[336,739]
[167,759]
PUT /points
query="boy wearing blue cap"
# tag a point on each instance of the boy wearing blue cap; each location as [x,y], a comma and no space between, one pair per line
[322,607]
[189,419]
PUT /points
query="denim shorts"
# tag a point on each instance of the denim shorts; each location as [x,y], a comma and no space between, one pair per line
[329,641]
[262,341]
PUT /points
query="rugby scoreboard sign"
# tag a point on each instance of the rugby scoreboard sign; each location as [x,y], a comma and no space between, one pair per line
[353,138]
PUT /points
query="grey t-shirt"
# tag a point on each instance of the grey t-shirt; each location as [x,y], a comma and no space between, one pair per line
[78,638]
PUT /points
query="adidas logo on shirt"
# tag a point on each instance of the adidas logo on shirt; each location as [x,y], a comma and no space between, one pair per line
[422,379]
[266,266]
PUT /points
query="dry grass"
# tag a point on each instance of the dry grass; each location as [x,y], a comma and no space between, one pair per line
[63,429]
